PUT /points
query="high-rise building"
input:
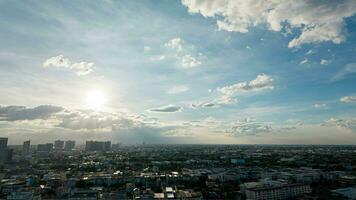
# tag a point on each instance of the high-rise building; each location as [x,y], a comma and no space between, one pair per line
[26,148]
[92,145]
[3,150]
[9,153]
[59,145]
[69,145]
[107,146]
[45,147]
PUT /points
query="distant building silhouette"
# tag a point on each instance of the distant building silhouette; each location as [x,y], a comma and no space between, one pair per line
[45,147]
[69,145]
[26,148]
[58,145]
[93,145]
[3,150]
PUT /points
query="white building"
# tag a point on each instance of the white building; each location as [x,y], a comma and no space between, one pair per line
[286,191]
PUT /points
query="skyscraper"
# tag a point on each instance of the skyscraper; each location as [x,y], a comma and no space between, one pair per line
[26,148]
[107,146]
[45,147]
[69,145]
[92,145]
[58,145]
[3,150]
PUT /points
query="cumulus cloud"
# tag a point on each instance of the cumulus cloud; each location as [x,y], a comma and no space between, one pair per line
[186,54]
[348,99]
[315,21]
[175,43]
[91,120]
[228,93]
[80,68]
[18,113]
[349,124]
[261,82]
[345,71]
[166,109]
[188,61]
[324,62]
[178,89]
[57,122]
[77,119]
[304,61]
[248,126]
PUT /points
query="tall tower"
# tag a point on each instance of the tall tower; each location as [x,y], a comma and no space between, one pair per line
[69,145]
[59,145]
[3,150]
[26,148]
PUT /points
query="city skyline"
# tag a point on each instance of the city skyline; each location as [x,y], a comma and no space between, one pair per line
[187,72]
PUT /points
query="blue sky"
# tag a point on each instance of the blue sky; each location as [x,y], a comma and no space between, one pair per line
[179,71]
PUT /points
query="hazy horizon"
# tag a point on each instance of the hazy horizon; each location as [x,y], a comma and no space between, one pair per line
[178,72]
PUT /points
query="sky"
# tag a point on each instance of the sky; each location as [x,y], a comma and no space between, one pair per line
[170,71]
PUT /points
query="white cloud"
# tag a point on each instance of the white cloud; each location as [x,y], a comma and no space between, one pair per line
[146,48]
[91,120]
[158,58]
[309,52]
[320,105]
[223,100]
[324,62]
[188,61]
[178,89]
[317,21]
[166,109]
[349,124]
[175,43]
[204,105]
[261,82]
[186,55]
[347,70]
[248,126]
[303,61]
[348,99]
[81,68]
[18,113]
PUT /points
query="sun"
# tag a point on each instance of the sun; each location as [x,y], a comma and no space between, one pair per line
[95,100]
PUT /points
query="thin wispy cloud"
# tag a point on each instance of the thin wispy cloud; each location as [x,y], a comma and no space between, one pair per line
[166,109]
[80,68]
[262,82]
[178,89]
[346,71]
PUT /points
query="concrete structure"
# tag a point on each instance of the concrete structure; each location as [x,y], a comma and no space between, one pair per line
[69,145]
[59,145]
[287,191]
[45,147]
[3,150]
[26,148]
[107,146]
[93,145]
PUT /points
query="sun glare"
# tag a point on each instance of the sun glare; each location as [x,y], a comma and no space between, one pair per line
[95,100]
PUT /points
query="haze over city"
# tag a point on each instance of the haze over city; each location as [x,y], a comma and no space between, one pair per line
[178,72]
